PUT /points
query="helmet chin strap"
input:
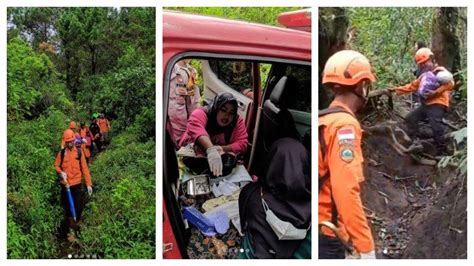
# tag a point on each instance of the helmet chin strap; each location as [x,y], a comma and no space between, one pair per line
[365,85]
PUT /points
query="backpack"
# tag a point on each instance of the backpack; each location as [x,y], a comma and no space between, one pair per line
[322,146]
[94,128]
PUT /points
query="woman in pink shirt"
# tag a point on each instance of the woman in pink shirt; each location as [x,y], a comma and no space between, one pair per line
[216,129]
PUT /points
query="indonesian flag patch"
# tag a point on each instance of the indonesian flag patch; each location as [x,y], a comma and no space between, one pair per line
[346,134]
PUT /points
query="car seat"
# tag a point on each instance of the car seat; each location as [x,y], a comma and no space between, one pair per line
[277,120]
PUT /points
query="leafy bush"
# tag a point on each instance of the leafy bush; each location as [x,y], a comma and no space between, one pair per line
[120,220]
[34,212]
[459,157]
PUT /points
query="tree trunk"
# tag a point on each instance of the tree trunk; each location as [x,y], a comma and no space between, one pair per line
[445,42]
[93,58]
[333,24]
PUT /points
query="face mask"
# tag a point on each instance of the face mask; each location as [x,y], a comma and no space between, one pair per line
[283,230]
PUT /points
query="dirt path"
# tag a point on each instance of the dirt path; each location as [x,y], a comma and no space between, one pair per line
[72,250]
[416,211]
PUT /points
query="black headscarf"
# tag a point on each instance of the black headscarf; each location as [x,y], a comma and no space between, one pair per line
[213,108]
[287,191]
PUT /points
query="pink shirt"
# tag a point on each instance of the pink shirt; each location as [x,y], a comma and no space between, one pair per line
[197,127]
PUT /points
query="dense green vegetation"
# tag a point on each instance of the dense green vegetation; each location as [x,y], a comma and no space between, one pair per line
[392,55]
[387,37]
[267,15]
[64,64]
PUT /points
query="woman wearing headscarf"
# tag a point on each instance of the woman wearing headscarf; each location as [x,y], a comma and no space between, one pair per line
[216,129]
[284,196]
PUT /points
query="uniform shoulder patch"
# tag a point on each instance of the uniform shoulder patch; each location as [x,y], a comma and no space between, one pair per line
[347,133]
[347,155]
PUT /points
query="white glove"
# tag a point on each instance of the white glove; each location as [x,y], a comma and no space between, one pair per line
[367,256]
[64,175]
[84,141]
[214,159]
[89,190]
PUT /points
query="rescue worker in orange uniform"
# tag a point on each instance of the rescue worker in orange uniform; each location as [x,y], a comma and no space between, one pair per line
[87,137]
[436,104]
[349,75]
[72,126]
[71,167]
[104,126]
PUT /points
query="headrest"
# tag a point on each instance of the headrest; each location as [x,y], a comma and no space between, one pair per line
[282,91]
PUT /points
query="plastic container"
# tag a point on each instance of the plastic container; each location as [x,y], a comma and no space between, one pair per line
[197,219]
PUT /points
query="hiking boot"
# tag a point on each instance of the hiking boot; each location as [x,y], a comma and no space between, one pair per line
[71,236]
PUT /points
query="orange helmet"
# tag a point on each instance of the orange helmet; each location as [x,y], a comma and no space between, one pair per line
[422,55]
[347,67]
[68,135]
[72,125]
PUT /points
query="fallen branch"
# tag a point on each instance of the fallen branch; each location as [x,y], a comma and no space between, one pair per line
[462,117]
[455,230]
[383,194]
[386,175]
[423,161]
[405,135]
[397,149]
[396,178]
[376,93]
[449,124]
[397,146]
[374,162]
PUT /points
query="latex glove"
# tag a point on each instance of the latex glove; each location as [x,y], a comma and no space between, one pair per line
[369,255]
[64,175]
[89,190]
[220,149]
[214,159]
[84,141]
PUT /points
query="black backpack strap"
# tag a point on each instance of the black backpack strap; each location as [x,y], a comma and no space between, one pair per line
[79,155]
[332,110]
[322,145]
[63,151]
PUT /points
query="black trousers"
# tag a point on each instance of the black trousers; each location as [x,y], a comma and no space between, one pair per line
[330,248]
[78,194]
[434,113]
[98,144]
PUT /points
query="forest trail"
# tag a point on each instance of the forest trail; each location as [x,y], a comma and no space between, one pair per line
[72,249]
[57,73]
[406,202]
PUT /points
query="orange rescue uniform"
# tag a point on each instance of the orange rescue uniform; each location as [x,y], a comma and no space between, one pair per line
[104,125]
[84,132]
[441,95]
[72,167]
[343,159]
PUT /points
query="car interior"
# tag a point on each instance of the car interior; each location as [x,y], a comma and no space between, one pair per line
[279,106]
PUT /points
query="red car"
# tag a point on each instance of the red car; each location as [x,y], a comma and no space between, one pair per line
[262,55]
